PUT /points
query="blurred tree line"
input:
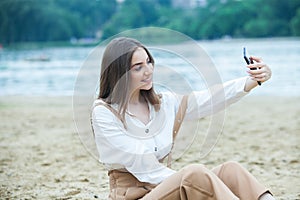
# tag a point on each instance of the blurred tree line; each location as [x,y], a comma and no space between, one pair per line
[60,20]
[52,20]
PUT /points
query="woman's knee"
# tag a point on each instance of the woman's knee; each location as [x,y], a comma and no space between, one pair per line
[194,170]
[233,165]
[227,167]
[197,178]
[230,172]
[197,174]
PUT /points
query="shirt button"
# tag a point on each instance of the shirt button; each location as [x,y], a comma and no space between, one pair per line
[147,130]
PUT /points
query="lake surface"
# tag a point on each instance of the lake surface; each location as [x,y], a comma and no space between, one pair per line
[53,71]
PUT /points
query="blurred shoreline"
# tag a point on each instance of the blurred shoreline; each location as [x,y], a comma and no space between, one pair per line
[94,43]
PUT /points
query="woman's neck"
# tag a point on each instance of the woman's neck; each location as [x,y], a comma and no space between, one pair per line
[136,98]
[138,107]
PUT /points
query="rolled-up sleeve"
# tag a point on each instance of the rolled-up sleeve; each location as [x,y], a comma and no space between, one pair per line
[217,98]
[115,146]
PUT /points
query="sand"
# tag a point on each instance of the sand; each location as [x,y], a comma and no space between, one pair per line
[42,156]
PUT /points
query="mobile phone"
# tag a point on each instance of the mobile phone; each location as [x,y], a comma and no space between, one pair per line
[249,61]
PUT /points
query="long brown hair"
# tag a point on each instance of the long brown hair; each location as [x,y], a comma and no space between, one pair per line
[114,77]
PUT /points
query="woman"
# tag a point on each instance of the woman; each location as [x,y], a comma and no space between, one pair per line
[134,126]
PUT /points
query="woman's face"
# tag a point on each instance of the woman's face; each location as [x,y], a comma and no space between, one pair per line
[141,71]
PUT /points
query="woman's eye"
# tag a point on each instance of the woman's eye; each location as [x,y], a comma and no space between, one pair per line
[149,61]
[138,68]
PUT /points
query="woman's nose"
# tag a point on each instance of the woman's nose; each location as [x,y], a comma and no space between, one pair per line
[149,69]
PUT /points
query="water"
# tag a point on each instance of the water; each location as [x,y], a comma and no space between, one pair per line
[19,76]
[282,55]
[22,73]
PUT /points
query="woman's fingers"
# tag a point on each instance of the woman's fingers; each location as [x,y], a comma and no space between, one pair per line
[261,78]
[256,59]
[258,62]
[259,71]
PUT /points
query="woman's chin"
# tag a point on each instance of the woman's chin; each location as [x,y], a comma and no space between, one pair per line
[147,87]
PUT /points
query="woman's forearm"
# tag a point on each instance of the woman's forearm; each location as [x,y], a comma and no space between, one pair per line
[250,84]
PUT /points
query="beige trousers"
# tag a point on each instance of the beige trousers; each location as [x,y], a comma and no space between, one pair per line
[229,181]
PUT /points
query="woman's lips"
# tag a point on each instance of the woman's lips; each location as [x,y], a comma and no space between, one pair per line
[148,80]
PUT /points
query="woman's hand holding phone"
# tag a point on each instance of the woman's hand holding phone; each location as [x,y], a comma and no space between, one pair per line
[258,70]
[249,60]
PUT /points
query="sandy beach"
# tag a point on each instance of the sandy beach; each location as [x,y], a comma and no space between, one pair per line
[42,156]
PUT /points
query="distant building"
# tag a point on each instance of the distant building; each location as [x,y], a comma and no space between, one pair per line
[188,4]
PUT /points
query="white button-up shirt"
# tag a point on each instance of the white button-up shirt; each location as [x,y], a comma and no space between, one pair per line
[139,146]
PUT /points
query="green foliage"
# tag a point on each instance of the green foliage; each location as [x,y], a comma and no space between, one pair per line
[234,18]
[295,23]
[273,19]
[52,20]
[132,14]
[60,20]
